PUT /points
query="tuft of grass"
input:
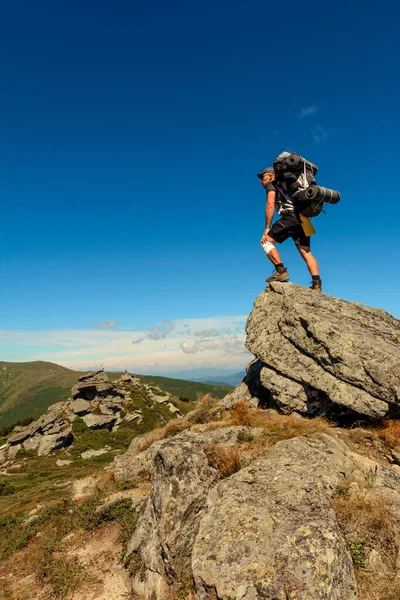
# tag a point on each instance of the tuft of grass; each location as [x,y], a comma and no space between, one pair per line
[223,457]
[357,551]
[389,432]
[53,567]
[171,428]
[367,523]
[205,410]
[65,516]
[6,489]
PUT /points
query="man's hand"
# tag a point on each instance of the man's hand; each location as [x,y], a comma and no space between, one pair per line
[264,236]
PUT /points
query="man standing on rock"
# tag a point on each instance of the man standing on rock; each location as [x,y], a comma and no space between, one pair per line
[289,225]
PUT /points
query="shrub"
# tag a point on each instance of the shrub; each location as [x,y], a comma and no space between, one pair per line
[53,567]
[6,489]
[357,551]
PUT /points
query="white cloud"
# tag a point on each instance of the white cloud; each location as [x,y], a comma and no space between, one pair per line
[167,346]
[307,111]
[319,134]
[107,325]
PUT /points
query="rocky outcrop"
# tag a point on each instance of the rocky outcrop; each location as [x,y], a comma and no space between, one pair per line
[181,477]
[270,530]
[267,532]
[100,403]
[317,354]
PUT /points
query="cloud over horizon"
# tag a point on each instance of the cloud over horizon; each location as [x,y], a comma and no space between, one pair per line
[217,342]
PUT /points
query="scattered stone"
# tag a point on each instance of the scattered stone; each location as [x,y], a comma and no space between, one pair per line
[90,453]
[48,443]
[13,451]
[132,417]
[63,463]
[80,407]
[99,421]
[375,563]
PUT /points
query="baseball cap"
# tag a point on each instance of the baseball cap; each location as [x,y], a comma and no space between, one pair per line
[266,170]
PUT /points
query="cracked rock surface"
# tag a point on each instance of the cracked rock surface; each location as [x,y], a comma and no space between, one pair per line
[317,354]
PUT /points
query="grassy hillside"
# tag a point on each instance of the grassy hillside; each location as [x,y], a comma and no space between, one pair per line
[28,389]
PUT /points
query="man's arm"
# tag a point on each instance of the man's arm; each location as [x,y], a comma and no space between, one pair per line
[269,214]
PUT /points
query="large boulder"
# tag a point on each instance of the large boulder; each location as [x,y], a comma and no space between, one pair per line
[48,443]
[321,355]
[270,530]
[181,477]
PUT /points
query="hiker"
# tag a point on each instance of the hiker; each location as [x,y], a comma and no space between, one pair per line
[288,225]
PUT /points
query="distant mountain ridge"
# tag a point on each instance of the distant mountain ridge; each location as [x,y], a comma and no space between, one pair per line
[232,380]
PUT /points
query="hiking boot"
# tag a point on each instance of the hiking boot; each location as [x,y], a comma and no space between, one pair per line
[280,274]
[316,285]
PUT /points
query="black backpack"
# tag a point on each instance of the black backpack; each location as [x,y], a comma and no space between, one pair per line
[295,180]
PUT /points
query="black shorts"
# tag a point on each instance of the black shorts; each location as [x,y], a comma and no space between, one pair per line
[289,226]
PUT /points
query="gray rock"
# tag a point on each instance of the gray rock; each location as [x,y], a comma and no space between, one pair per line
[172,408]
[44,421]
[63,463]
[32,443]
[395,452]
[320,354]
[132,463]
[132,417]
[270,530]
[375,563]
[3,455]
[48,443]
[181,476]
[80,407]
[90,453]
[99,421]
[13,451]
[18,438]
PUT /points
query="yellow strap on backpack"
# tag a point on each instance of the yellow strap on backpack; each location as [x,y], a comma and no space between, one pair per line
[307,225]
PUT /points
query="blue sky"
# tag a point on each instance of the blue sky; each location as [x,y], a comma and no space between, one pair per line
[129,141]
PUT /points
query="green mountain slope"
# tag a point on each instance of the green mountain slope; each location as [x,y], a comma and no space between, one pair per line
[28,389]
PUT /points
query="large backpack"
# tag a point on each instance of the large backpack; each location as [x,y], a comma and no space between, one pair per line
[295,180]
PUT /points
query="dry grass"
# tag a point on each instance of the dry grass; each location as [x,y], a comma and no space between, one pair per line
[171,428]
[206,410]
[275,425]
[389,432]
[371,587]
[226,458]
[367,523]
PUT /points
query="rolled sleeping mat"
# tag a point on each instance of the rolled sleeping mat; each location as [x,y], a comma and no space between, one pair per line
[295,162]
[322,194]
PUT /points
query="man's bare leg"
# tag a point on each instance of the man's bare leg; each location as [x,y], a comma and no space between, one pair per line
[310,261]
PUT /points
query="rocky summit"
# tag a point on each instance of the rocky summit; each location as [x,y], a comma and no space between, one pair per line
[287,489]
[319,355]
[272,528]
